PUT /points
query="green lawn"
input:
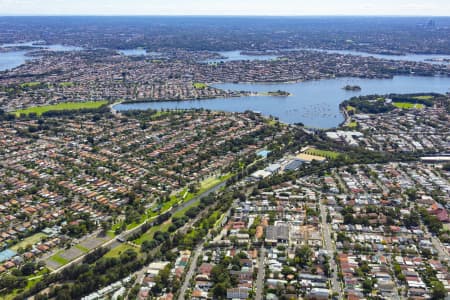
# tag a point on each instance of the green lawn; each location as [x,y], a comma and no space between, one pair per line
[59,259]
[216,215]
[165,226]
[39,110]
[30,84]
[181,197]
[205,185]
[32,280]
[219,221]
[181,212]
[407,105]
[31,240]
[150,213]
[119,250]
[272,122]
[84,249]
[323,153]
[212,182]
[429,97]
[66,84]
[10,296]
[350,108]
[352,124]
[151,232]
[199,85]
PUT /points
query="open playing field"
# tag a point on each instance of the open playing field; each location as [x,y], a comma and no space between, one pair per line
[407,105]
[200,86]
[30,84]
[39,110]
[31,240]
[309,157]
[323,153]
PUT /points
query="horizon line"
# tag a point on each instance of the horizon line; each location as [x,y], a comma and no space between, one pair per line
[225,16]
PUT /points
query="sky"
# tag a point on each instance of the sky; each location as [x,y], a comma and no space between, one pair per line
[226,7]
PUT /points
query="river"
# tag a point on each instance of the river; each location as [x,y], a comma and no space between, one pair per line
[237,55]
[13,59]
[314,103]
[426,58]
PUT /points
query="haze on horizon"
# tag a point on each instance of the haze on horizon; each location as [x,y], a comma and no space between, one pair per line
[227,7]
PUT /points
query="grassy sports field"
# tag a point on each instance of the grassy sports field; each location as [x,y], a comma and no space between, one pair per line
[39,110]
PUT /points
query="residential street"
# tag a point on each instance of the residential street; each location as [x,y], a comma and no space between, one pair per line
[261,274]
[443,253]
[191,272]
[336,287]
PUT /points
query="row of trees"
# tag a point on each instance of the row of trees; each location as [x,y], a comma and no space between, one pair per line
[95,271]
